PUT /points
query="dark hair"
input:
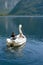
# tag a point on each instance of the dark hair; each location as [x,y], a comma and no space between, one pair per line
[12,32]
[12,35]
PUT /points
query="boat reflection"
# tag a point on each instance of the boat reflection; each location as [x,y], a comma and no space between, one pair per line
[17,51]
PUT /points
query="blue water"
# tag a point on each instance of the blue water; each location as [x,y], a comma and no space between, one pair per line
[29,54]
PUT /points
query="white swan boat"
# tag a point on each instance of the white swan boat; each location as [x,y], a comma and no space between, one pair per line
[18,41]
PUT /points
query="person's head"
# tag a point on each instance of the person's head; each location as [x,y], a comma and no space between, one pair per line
[12,32]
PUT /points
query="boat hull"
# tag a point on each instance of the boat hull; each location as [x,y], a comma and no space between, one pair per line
[16,43]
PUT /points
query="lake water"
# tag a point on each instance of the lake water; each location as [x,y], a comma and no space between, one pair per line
[29,54]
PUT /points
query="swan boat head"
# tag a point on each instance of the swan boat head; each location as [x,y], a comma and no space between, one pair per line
[20,30]
[20,26]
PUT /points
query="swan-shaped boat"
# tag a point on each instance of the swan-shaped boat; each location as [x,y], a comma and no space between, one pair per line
[18,41]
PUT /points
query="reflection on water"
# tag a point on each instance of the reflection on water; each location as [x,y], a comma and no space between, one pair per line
[16,50]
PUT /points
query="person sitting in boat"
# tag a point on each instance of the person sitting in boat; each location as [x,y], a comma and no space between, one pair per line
[13,36]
